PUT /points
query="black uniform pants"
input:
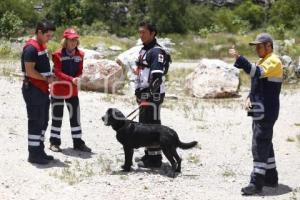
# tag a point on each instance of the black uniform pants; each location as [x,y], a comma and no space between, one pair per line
[149,113]
[37,106]
[264,170]
[57,116]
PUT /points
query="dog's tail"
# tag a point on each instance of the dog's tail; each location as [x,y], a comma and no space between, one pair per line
[188,145]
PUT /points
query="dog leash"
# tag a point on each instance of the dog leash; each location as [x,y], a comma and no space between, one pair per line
[133,113]
[141,104]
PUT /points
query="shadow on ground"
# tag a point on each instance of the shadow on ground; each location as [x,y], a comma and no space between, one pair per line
[280,190]
[79,154]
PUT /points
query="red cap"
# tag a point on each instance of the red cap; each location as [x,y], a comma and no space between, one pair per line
[70,33]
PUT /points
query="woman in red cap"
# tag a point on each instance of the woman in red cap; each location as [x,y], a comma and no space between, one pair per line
[68,65]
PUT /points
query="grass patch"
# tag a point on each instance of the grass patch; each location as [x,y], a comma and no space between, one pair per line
[290,139]
[107,40]
[216,45]
[175,81]
[77,172]
[8,68]
[7,52]
[228,173]
[192,158]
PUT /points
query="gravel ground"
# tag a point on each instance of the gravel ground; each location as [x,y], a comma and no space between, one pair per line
[216,169]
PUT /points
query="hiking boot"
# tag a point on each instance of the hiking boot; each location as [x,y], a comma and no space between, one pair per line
[47,157]
[251,189]
[55,148]
[37,159]
[83,148]
[150,161]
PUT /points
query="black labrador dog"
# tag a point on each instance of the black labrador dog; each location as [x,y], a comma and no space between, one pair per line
[134,135]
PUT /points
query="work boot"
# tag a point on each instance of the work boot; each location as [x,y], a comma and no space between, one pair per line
[83,148]
[150,161]
[251,189]
[47,157]
[37,158]
[271,178]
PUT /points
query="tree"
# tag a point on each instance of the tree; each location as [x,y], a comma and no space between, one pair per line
[64,12]
[21,8]
[168,15]
[10,25]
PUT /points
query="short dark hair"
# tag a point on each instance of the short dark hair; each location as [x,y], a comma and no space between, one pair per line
[44,26]
[149,25]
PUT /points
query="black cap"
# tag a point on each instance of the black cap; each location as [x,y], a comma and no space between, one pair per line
[262,38]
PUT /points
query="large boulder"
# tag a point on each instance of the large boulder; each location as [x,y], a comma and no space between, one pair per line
[213,78]
[102,75]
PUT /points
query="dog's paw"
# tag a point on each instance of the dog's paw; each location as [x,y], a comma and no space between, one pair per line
[126,168]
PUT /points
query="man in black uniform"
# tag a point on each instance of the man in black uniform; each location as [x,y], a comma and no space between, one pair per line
[150,88]
[35,89]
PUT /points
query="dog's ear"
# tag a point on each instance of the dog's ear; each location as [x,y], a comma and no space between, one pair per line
[119,114]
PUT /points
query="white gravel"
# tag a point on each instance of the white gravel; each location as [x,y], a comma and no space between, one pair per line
[216,169]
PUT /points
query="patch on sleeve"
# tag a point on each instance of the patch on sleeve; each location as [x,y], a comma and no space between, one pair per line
[160,58]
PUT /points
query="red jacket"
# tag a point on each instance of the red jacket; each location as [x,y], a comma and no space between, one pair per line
[66,68]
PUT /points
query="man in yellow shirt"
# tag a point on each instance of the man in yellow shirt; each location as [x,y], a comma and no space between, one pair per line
[263,105]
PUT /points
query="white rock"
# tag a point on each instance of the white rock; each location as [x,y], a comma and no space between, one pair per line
[213,79]
[102,75]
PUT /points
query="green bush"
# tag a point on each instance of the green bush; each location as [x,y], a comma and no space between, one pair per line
[224,18]
[168,15]
[198,17]
[53,46]
[253,14]
[277,32]
[10,25]
[95,28]
[284,12]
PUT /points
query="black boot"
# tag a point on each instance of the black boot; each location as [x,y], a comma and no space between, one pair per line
[271,178]
[150,161]
[79,145]
[251,189]
[47,157]
[37,157]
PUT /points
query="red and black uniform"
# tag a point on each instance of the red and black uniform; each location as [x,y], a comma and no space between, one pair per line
[66,68]
[36,95]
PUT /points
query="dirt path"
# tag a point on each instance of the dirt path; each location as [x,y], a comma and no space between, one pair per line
[216,169]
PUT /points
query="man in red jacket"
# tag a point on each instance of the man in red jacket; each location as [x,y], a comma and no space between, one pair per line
[68,65]
[35,90]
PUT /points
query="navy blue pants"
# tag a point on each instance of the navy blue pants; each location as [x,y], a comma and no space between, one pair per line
[264,170]
[37,105]
[57,116]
